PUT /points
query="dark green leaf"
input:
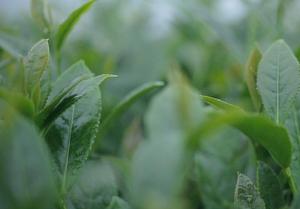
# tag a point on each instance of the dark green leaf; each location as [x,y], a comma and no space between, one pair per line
[72,134]
[269,186]
[74,90]
[95,186]
[216,166]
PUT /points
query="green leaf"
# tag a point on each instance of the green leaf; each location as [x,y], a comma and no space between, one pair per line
[35,64]
[159,163]
[258,128]
[18,101]
[158,168]
[58,102]
[118,203]
[39,13]
[251,77]
[95,186]
[216,166]
[72,134]
[246,195]
[221,104]
[26,179]
[269,186]
[66,27]
[296,203]
[174,111]
[129,99]
[278,80]
[292,125]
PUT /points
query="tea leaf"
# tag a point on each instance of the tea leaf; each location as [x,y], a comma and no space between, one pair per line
[57,104]
[118,203]
[292,125]
[66,27]
[258,128]
[72,134]
[216,183]
[251,77]
[39,14]
[18,101]
[278,80]
[246,195]
[172,119]
[35,64]
[221,104]
[127,102]
[269,186]
[26,179]
[157,179]
[95,187]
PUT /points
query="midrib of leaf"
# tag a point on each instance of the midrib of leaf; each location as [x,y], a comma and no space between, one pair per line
[277,89]
[68,151]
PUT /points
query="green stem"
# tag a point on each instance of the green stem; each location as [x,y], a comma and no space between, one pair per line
[292,183]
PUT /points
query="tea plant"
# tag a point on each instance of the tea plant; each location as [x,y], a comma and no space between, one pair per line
[190,151]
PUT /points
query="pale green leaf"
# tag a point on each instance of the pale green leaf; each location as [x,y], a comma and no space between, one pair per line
[246,195]
[157,179]
[39,13]
[35,64]
[26,179]
[14,45]
[66,27]
[278,80]
[157,172]
[174,111]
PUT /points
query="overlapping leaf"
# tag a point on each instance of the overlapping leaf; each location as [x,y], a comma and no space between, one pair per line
[72,133]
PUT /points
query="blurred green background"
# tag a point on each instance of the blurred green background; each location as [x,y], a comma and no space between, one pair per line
[142,40]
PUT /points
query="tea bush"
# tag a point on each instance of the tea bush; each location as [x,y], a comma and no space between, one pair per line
[70,139]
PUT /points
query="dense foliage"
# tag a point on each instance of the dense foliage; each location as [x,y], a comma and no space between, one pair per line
[210,117]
